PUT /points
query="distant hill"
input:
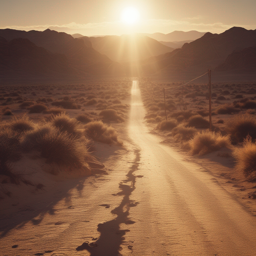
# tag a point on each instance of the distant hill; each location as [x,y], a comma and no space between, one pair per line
[176,36]
[240,61]
[77,35]
[128,48]
[21,58]
[206,52]
[175,44]
[77,50]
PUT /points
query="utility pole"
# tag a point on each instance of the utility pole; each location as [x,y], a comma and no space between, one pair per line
[210,98]
[165,105]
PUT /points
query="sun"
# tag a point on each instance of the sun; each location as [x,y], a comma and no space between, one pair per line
[130,16]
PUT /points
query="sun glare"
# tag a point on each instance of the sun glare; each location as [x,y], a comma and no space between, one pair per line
[130,16]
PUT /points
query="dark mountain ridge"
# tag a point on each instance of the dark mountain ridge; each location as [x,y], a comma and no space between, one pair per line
[206,52]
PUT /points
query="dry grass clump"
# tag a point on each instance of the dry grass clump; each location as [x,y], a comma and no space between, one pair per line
[7,112]
[91,102]
[66,124]
[110,115]
[183,133]
[37,108]
[240,126]
[167,125]
[226,110]
[26,104]
[21,125]
[67,104]
[246,159]
[83,119]
[198,121]
[55,111]
[206,142]
[182,115]
[9,152]
[98,131]
[57,147]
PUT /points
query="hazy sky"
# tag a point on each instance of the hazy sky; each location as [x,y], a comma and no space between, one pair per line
[96,17]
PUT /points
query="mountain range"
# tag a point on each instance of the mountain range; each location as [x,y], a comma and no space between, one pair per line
[60,55]
[209,51]
[177,36]
[128,48]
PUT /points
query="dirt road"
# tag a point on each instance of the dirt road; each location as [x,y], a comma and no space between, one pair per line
[153,202]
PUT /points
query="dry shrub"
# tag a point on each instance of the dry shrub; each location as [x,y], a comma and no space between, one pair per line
[67,104]
[21,125]
[101,132]
[206,142]
[55,111]
[37,108]
[240,126]
[198,121]
[91,102]
[182,133]
[183,114]
[250,104]
[9,152]
[221,98]
[66,124]
[8,112]
[246,158]
[83,119]
[110,115]
[57,147]
[226,109]
[167,125]
[26,104]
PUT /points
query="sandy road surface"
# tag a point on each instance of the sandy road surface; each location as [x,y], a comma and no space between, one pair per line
[181,210]
[152,202]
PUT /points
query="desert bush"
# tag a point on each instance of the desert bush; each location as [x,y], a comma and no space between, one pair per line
[167,125]
[8,112]
[55,111]
[21,125]
[37,108]
[98,131]
[221,98]
[91,102]
[9,152]
[239,96]
[183,133]
[26,104]
[110,115]
[198,121]
[206,142]
[57,147]
[66,124]
[240,126]
[183,114]
[226,109]
[66,104]
[246,158]
[83,119]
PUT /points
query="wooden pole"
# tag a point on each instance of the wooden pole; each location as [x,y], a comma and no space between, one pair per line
[165,105]
[210,98]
